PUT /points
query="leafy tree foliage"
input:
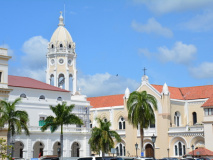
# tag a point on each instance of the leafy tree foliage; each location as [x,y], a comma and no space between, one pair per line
[102,137]
[63,116]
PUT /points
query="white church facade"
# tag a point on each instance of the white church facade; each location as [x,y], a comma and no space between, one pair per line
[61,75]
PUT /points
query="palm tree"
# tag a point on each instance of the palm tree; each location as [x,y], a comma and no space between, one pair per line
[63,116]
[102,137]
[140,112]
[15,119]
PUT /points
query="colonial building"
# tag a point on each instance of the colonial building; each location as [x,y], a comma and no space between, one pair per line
[38,96]
[184,118]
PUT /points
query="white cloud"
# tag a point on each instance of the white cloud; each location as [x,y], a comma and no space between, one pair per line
[152,26]
[204,70]
[105,84]
[145,52]
[180,53]
[201,22]
[166,6]
[35,52]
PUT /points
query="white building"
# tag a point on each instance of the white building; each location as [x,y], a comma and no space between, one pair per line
[37,96]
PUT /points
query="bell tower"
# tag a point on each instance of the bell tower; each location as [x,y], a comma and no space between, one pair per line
[61,59]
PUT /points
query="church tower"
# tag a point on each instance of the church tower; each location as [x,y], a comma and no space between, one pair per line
[61,59]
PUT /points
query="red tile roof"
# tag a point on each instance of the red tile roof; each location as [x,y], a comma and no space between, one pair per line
[185,93]
[25,82]
[106,101]
[201,152]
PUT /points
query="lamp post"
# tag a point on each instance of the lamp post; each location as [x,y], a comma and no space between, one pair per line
[153,141]
[136,148]
[193,151]
[168,152]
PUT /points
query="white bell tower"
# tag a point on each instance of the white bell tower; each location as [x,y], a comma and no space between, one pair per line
[61,59]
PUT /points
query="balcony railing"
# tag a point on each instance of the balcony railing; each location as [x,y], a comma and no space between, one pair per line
[196,128]
[121,132]
[65,129]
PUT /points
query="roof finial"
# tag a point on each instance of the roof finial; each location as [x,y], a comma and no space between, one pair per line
[61,19]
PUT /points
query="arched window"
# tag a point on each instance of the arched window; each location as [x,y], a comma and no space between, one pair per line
[71,82]
[42,97]
[180,149]
[23,95]
[61,45]
[177,119]
[105,120]
[69,45]
[52,46]
[121,123]
[121,149]
[59,99]
[194,115]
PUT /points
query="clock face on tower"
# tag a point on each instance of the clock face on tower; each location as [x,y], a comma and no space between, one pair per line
[61,60]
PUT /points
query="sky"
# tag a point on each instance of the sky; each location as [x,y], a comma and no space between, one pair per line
[172,39]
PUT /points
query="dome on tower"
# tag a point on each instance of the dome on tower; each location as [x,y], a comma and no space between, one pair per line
[61,37]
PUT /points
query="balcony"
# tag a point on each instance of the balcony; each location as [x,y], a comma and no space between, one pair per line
[65,129]
[121,132]
[186,129]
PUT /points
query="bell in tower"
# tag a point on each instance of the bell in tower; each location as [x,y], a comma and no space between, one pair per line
[61,59]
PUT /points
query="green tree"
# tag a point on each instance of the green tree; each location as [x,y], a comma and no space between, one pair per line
[63,116]
[102,137]
[3,150]
[140,112]
[15,119]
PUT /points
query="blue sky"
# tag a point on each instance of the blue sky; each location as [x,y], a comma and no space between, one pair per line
[172,39]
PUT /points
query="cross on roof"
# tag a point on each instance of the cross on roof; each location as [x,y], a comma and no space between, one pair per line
[144,70]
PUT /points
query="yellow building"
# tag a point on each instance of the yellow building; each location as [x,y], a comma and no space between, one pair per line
[184,118]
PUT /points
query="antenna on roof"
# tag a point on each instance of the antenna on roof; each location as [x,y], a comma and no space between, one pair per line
[64,12]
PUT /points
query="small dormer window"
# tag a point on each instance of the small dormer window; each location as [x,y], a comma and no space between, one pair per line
[69,45]
[52,46]
[23,95]
[59,99]
[42,97]
[61,45]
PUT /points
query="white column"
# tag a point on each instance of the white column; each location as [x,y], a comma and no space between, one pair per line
[74,76]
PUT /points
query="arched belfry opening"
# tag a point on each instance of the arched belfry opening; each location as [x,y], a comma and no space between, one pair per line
[52,79]
[61,81]
[70,82]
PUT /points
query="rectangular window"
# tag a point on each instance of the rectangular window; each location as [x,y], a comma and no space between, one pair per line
[0,77]
[41,121]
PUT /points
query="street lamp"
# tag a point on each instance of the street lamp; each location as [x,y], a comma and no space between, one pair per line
[153,141]
[193,151]
[136,148]
[168,152]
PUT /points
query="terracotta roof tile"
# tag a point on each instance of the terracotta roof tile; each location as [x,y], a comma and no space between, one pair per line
[106,101]
[187,93]
[175,92]
[25,82]
[201,152]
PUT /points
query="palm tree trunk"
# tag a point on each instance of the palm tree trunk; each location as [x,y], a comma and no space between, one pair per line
[61,141]
[142,136]
[8,142]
